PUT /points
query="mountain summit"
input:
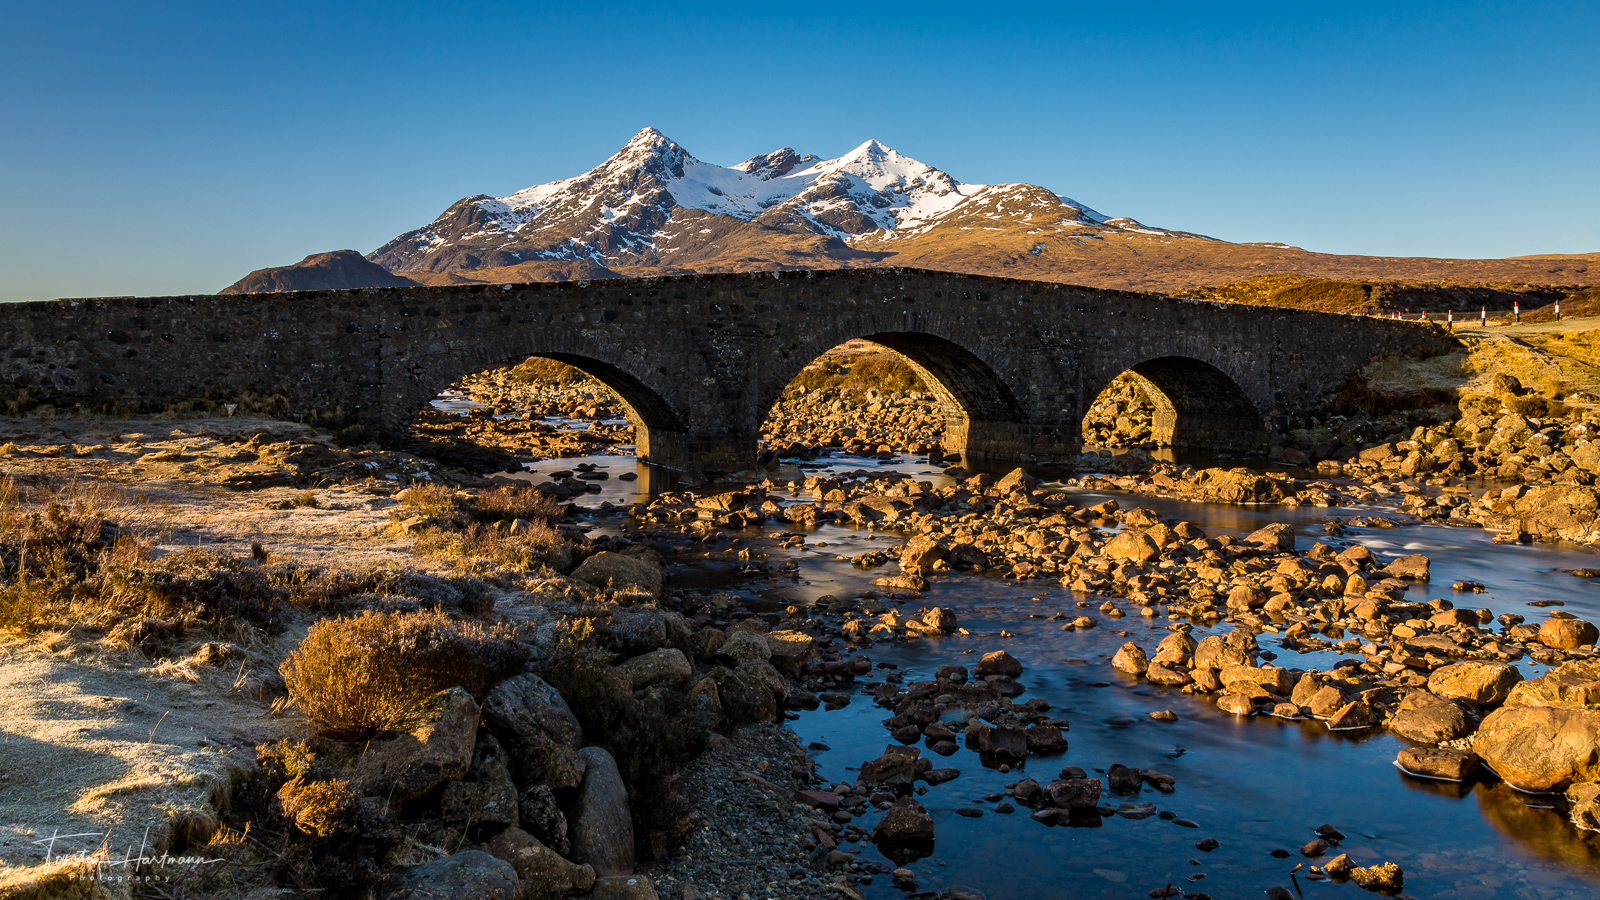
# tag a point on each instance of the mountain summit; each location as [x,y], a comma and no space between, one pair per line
[655,204]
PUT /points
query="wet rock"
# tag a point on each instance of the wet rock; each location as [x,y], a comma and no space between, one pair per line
[1571,685]
[542,872]
[1352,716]
[1045,739]
[1437,762]
[903,825]
[1075,793]
[1122,779]
[468,875]
[897,766]
[602,827]
[1206,845]
[1539,748]
[1004,742]
[1314,848]
[744,696]
[1583,801]
[957,892]
[1130,658]
[614,570]
[1413,567]
[1431,723]
[438,749]
[1567,634]
[1175,650]
[1340,866]
[1168,675]
[1387,878]
[921,554]
[1164,715]
[998,663]
[1482,683]
[1236,704]
[666,664]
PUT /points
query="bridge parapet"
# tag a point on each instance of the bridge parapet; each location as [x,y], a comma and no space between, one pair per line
[700,359]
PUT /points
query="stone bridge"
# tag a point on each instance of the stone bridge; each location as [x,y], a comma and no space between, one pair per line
[700,359]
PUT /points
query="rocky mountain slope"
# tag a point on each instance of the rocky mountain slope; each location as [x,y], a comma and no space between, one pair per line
[654,209]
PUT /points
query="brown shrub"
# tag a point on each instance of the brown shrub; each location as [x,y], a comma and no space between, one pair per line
[435,500]
[362,674]
[528,549]
[520,501]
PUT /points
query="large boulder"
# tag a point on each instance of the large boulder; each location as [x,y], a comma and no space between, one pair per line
[539,731]
[542,871]
[1482,683]
[1431,723]
[468,875]
[437,750]
[615,570]
[746,646]
[921,553]
[1571,685]
[1130,658]
[1538,748]
[487,796]
[1567,634]
[526,707]
[998,662]
[1414,567]
[601,823]
[1134,545]
[1276,536]
[792,652]
[666,664]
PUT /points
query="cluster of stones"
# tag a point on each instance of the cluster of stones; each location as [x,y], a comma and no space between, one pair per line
[805,422]
[1122,416]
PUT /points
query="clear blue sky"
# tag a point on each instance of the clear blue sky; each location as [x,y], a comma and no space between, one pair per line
[161,148]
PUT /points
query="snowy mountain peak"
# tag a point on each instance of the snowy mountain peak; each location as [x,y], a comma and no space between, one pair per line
[632,208]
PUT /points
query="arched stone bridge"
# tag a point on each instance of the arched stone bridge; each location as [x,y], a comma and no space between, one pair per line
[700,359]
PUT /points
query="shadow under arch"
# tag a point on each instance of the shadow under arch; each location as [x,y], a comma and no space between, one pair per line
[1198,407]
[981,415]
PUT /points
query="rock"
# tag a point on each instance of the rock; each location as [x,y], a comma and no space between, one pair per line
[468,875]
[487,796]
[1583,801]
[1236,704]
[744,696]
[623,887]
[998,663]
[1352,716]
[1045,739]
[1482,683]
[1431,723]
[539,815]
[1167,675]
[746,646]
[1567,634]
[1538,748]
[1015,480]
[1075,793]
[1245,597]
[614,570]
[957,892]
[666,664]
[525,708]
[438,749]
[939,619]
[897,766]
[1571,685]
[1176,649]
[1276,536]
[1274,679]
[1387,878]
[1436,762]
[1134,545]
[1413,567]
[792,652]
[1130,658]
[601,824]
[1004,742]
[1339,866]
[543,873]
[901,825]
[920,555]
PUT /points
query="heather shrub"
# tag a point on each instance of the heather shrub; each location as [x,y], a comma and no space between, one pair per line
[526,549]
[521,501]
[358,675]
[321,836]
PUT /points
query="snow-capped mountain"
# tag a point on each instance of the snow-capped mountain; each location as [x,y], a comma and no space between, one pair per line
[653,204]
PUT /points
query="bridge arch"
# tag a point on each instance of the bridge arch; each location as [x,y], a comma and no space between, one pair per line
[1198,406]
[981,413]
[662,433]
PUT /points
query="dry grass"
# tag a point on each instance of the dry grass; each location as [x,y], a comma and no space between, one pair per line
[359,675]
[547,373]
[529,548]
[856,372]
[522,501]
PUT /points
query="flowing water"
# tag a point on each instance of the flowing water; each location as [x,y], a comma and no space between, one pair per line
[1256,785]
